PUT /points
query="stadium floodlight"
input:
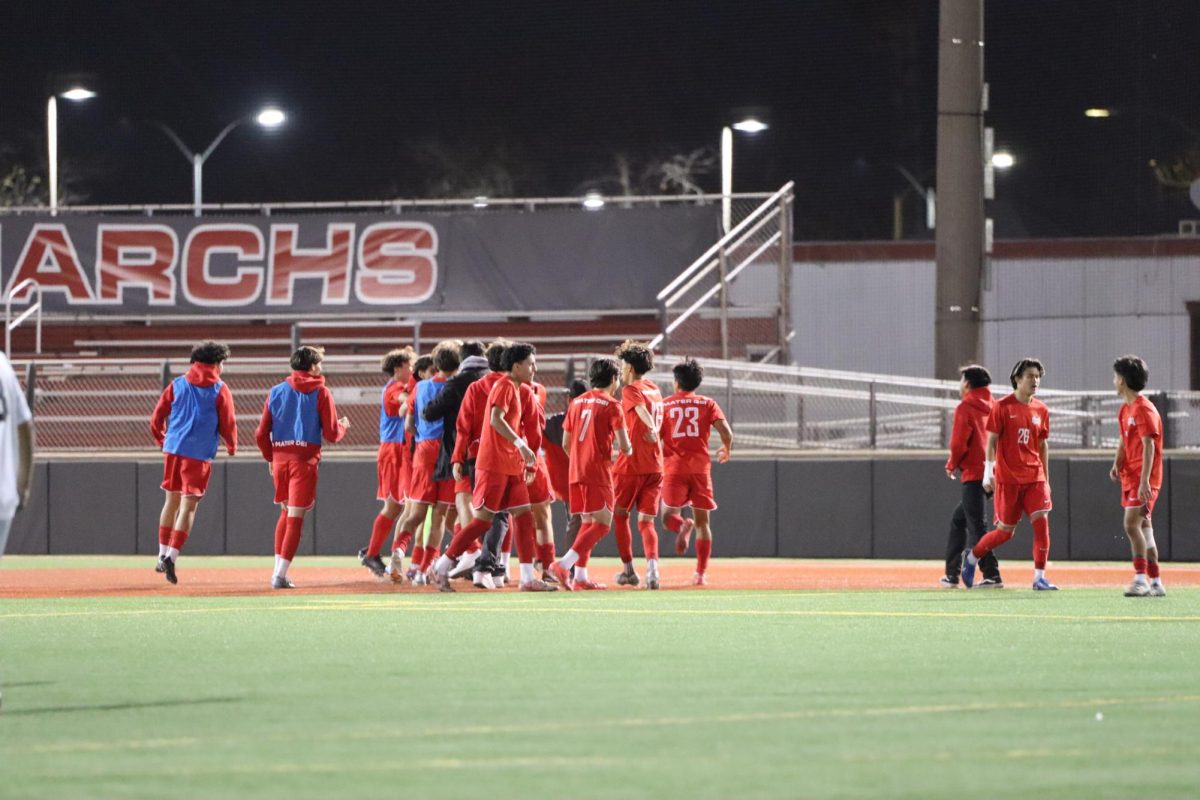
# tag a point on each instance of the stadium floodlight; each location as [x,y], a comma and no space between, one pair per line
[750,125]
[270,117]
[1098,113]
[74,94]
[78,93]
[593,201]
[480,202]
[1002,159]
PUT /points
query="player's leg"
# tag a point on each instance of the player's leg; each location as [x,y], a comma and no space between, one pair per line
[956,545]
[1157,589]
[601,521]
[543,526]
[703,545]
[583,505]
[1007,503]
[5,527]
[626,489]
[300,494]
[166,522]
[1140,587]
[674,498]
[974,506]
[185,515]
[1035,500]
[488,494]
[648,500]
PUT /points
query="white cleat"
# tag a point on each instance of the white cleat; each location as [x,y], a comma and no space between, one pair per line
[652,581]
[1137,589]
[1158,590]
[395,570]
[465,565]
[419,579]
[483,580]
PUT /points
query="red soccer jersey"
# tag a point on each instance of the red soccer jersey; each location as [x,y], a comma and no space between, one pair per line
[687,420]
[592,421]
[469,424]
[497,454]
[1021,430]
[1137,419]
[647,458]
[533,415]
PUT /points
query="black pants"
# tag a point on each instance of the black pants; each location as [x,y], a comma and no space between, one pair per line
[489,557]
[969,516]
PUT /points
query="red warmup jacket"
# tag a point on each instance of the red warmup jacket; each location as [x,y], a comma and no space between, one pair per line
[968,441]
[469,425]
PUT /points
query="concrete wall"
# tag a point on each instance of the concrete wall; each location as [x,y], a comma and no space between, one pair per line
[837,508]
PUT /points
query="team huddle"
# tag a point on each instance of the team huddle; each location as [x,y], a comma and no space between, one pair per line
[466,448]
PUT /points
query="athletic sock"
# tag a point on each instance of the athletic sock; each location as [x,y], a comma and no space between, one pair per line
[281,567]
[1041,541]
[402,541]
[1139,570]
[468,533]
[624,534]
[178,540]
[291,538]
[527,574]
[475,546]
[379,532]
[651,565]
[581,573]
[443,565]
[1039,574]
[431,555]
[526,540]
[546,554]
[172,553]
[703,551]
[569,559]
[280,529]
[1152,570]
[164,539]
[418,556]
[674,522]
[649,538]
[990,541]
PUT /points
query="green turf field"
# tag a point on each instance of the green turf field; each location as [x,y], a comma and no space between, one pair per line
[632,694]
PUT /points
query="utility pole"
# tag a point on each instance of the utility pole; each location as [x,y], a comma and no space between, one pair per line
[960,211]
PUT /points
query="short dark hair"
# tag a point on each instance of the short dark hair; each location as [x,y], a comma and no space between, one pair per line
[421,364]
[495,354]
[1133,370]
[688,374]
[307,356]
[445,356]
[210,352]
[577,388]
[976,376]
[603,372]
[396,358]
[471,347]
[1019,369]
[636,355]
[515,354]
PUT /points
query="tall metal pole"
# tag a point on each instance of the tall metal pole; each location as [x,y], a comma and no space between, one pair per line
[960,212]
[726,178]
[197,182]
[52,144]
[785,280]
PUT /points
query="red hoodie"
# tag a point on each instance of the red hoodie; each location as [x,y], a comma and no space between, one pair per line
[331,429]
[968,441]
[198,375]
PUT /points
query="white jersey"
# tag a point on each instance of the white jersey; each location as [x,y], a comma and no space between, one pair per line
[14,411]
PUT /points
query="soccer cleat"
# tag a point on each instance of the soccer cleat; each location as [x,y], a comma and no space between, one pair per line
[699,580]
[465,565]
[412,572]
[483,580]
[652,582]
[1137,589]
[419,579]
[500,577]
[373,563]
[159,568]
[169,569]
[587,586]
[560,573]
[946,582]
[684,537]
[443,581]
[990,583]
[968,571]
[279,582]
[538,586]
[1043,585]
[627,577]
[395,569]
[548,577]
[1158,590]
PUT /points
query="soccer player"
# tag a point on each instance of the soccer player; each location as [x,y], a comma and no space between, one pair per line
[638,478]
[16,449]
[687,466]
[1137,467]
[423,369]
[558,465]
[389,463]
[533,428]
[1018,468]
[430,484]
[967,445]
[593,420]
[192,412]
[503,470]
[297,414]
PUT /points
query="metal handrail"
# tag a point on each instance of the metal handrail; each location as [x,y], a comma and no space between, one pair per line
[10,324]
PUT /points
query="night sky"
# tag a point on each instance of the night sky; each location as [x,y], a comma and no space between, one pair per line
[396,99]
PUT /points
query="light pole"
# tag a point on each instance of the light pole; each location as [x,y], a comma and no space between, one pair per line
[268,118]
[74,94]
[749,125]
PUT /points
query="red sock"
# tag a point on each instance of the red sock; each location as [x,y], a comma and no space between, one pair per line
[591,536]
[1041,541]
[291,537]
[430,554]
[164,535]
[379,532]
[472,531]
[1139,566]
[624,534]
[418,555]
[703,551]
[526,538]
[178,538]
[280,529]
[475,546]
[990,541]
[674,522]
[1152,569]
[649,537]
[546,554]
[402,541]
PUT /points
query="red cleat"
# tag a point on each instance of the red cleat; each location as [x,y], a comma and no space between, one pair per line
[684,537]
[699,580]
[561,575]
[587,586]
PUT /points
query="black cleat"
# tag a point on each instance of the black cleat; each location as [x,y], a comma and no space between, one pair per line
[373,563]
[159,568]
[169,569]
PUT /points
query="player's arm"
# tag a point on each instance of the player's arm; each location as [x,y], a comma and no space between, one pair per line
[1147,465]
[501,426]
[989,461]
[333,427]
[726,434]
[262,434]
[162,412]
[623,443]
[25,467]
[1044,454]
[1114,474]
[960,437]
[227,420]
[651,434]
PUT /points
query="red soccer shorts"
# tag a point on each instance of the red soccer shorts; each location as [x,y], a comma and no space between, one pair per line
[393,483]
[496,492]
[588,498]
[189,476]
[422,488]
[1013,499]
[1129,498]
[638,491]
[689,489]
[295,483]
[539,489]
